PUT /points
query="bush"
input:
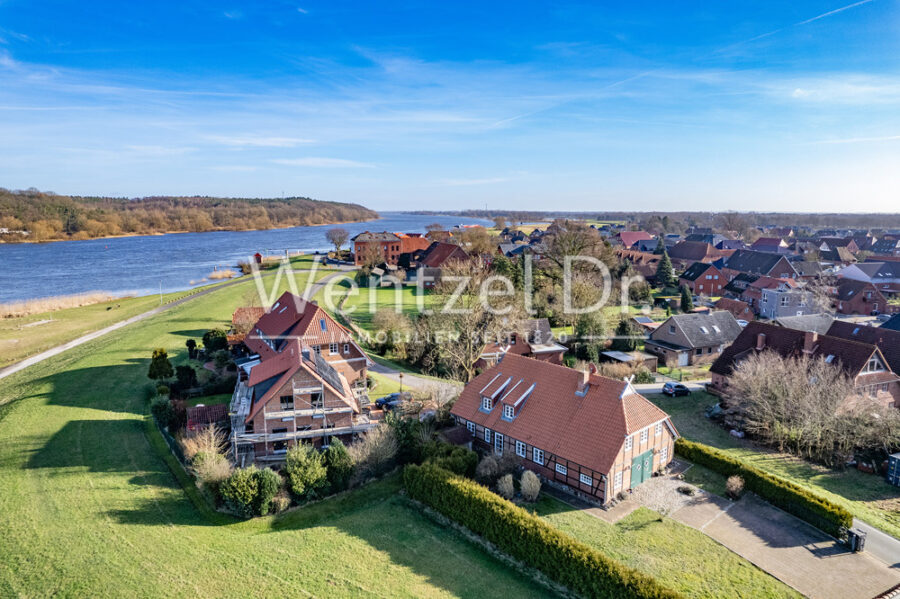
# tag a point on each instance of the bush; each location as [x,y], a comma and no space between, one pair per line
[221,358]
[454,458]
[487,471]
[644,376]
[281,502]
[530,485]
[734,486]
[207,439]
[792,498]
[211,470]
[528,538]
[240,491]
[268,483]
[186,375]
[374,455]
[409,438]
[686,490]
[162,390]
[214,340]
[339,466]
[306,470]
[505,486]
[162,410]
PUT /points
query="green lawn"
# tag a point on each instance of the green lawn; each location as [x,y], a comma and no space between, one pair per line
[682,558]
[361,305]
[383,386]
[867,496]
[89,508]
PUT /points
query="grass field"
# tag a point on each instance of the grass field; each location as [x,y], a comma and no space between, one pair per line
[867,496]
[682,558]
[88,508]
[29,335]
[361,305]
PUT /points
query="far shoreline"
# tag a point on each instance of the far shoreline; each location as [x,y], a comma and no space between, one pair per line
[332,224]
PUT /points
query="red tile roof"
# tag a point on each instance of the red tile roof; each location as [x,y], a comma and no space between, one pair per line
[589,430]
[292,316]
[629,238]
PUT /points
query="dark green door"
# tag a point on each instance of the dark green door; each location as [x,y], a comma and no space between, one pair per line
[641,468]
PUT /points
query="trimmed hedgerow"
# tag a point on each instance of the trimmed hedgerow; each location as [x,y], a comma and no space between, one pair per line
[792,498]
[527,538]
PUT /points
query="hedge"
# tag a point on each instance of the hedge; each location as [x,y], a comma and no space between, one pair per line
[792,498]
[527,538]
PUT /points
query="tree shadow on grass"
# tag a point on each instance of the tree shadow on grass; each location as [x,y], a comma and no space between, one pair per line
[190,333]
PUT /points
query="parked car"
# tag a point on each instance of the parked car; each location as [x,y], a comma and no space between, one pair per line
[392,400]
[675,389]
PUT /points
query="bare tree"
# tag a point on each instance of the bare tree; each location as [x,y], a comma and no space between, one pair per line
[337,237]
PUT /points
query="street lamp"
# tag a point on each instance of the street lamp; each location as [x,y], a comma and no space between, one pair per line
[401,382]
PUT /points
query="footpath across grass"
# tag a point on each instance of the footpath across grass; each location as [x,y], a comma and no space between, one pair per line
[867,496]
[683,559]
[88,507]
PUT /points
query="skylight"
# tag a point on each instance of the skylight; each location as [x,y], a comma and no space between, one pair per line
[705,330]
[829,358]
[322,324]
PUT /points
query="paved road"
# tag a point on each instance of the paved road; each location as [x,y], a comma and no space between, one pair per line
[37,358]
[412,381]
[657,387]
[880,545]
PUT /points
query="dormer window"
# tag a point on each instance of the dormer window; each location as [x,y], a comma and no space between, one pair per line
[873,365]
[486,404]
[509,412]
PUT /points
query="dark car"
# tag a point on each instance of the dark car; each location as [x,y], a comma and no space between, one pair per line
[675,389]
[392,400]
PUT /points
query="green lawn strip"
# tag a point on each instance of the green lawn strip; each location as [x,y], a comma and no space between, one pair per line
[683,559]
[383,386]
[89,505]
[867,496]
[706,479]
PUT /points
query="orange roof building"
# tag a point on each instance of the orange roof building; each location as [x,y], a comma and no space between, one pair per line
[595,435]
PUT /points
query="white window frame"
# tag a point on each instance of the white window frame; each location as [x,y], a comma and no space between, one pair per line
[487,435]
[509,412]
[471,427]
[537,456]
[617,481]
[658,430]
[521,449]
[486,404]
[663,455]
[346,348]
[586,480]
[645,434]
[629,442]
[562,469]
[332,349]
[498,443]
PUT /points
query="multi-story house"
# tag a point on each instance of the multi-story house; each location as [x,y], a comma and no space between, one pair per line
[862,362]
[858,297]
[593,435]
[304,382]
[703,279]
[761,263]
[386,246]
[783,300]
[884,275]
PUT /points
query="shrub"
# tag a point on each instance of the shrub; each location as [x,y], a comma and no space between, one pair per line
[162,390]
[339,466]
[161,408]
[281,502]
[186,375]
[305,469]
[686,490]
[409,438]
[374,454]
[487,471]
[792,498]
[240,491]
[734,486]
[268,483]
[208,440]
[505,486]
[211,470]
[528,538]
[221,358]
[643,376]
[454,458]
[160,367]
[214,340]
[530,485]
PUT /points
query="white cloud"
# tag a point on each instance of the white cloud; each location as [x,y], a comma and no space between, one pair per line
[260,142]
[856,140]
[302,11]
[233,14]
[320,162]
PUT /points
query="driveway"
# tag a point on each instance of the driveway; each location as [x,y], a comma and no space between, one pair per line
[788,548]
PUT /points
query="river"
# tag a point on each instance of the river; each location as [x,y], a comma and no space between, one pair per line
[142,265]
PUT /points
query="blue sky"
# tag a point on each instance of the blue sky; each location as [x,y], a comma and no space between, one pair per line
[518,105]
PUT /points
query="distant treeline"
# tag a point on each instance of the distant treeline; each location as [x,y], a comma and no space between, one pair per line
[705,219]
[48,216]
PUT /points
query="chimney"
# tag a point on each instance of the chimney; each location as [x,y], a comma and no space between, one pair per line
[760,341]
[810,339]
[585,379]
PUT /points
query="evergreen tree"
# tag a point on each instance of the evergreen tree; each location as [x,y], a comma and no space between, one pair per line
[192,348]
[160,367]
[626,336]
[660,247]
[687,302]
[339,465]
[665,274]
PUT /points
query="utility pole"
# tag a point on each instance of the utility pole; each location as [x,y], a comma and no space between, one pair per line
[160,292]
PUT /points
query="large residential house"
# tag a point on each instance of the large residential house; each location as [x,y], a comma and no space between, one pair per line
[887,340]
[386,246]
[774,245]
[703,279]
[685,253]
[858,297]
[761,263]
[428,264]
[629,238]
[887,246]
[594,435]
[863,362]
[884,275]
[686,339]
[535,340]
[643,263]
[304,382]
[783,299]
[740,310]
[753,293]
